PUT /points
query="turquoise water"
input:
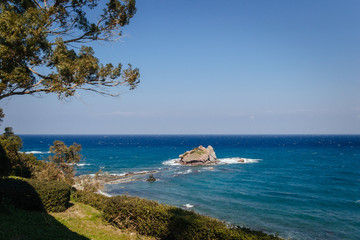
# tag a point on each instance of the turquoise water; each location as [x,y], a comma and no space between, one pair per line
[302,187]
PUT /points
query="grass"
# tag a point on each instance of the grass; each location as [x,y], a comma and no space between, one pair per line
[87,221]
[79,222]
[17,224]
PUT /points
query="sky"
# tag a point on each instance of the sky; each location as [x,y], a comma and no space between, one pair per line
[219,67]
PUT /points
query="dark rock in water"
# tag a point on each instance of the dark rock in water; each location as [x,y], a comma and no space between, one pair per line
[151,178]
[199,156]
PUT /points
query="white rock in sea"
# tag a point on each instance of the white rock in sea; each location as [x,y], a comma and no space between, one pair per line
[199,156]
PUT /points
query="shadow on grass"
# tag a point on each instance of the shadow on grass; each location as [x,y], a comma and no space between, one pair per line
[190,225]
[22,215]
[164,222]
[183,223]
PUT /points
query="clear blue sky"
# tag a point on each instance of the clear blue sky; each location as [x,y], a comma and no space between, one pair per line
[220,67]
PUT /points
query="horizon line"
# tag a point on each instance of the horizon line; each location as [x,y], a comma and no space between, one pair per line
[190,134]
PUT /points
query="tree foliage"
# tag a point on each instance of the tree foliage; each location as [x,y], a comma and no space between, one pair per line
[42,46]
[10,144]
[61,164]
[12,161]
[57,167]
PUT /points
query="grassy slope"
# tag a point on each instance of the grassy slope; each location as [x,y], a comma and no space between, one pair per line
[79,222]
[87,221]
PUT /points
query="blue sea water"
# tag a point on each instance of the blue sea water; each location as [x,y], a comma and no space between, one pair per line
[302,187]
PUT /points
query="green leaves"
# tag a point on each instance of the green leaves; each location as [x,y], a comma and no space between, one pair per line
[64,154]
[64,158]
[22,42]
[42,47]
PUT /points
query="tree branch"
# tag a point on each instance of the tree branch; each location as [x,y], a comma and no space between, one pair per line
[46,90]
[37,3]
[99,92]
[77,39]
[38,74]
[45,4]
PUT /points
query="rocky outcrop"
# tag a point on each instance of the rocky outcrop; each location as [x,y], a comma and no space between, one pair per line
[199,156]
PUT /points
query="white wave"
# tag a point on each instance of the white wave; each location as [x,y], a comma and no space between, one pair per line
[104,193]
[238,160]
[83,164]
[36,152]
[358,201]
[222,161]
[188,205]
[188,171]
[131,173]
[208,169]
[142,172]
[118,174]
[79,164]
[172,162]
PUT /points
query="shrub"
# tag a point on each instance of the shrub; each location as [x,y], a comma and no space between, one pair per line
[55,196]
[29,165]
[33,194]
[12,161]
[95,200]
[20,193]
[145,216]
[49,172]
[163,221]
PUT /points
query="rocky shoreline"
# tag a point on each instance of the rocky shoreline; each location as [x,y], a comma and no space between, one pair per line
[96,182]
[198,156]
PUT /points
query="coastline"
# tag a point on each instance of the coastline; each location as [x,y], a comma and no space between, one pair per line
[134,205]
[98,181]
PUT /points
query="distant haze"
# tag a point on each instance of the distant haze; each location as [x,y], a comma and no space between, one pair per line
[220,67]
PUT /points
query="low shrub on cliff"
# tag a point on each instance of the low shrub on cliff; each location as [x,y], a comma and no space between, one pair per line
[33,194]
[163,221]
[95,200]
[144,216]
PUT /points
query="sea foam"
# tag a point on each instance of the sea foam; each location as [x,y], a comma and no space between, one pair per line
[222,161]
[188,171]
[83,164]
[172,162]
[238,160]
[104,193]
[79,164]
[188,205]
[36,152]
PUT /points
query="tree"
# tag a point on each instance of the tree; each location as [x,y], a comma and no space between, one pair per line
[42,46]
[12,161]
[61,164]
[10,145]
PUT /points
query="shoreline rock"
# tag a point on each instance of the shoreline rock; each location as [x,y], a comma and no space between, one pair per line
[199,156]
[95,182]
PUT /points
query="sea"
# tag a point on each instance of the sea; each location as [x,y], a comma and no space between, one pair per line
[300,187]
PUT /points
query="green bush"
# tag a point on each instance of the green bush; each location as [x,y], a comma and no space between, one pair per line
[95,200]
[163,221]
[33,194]
[20,193]
[144,216]
[55,196]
